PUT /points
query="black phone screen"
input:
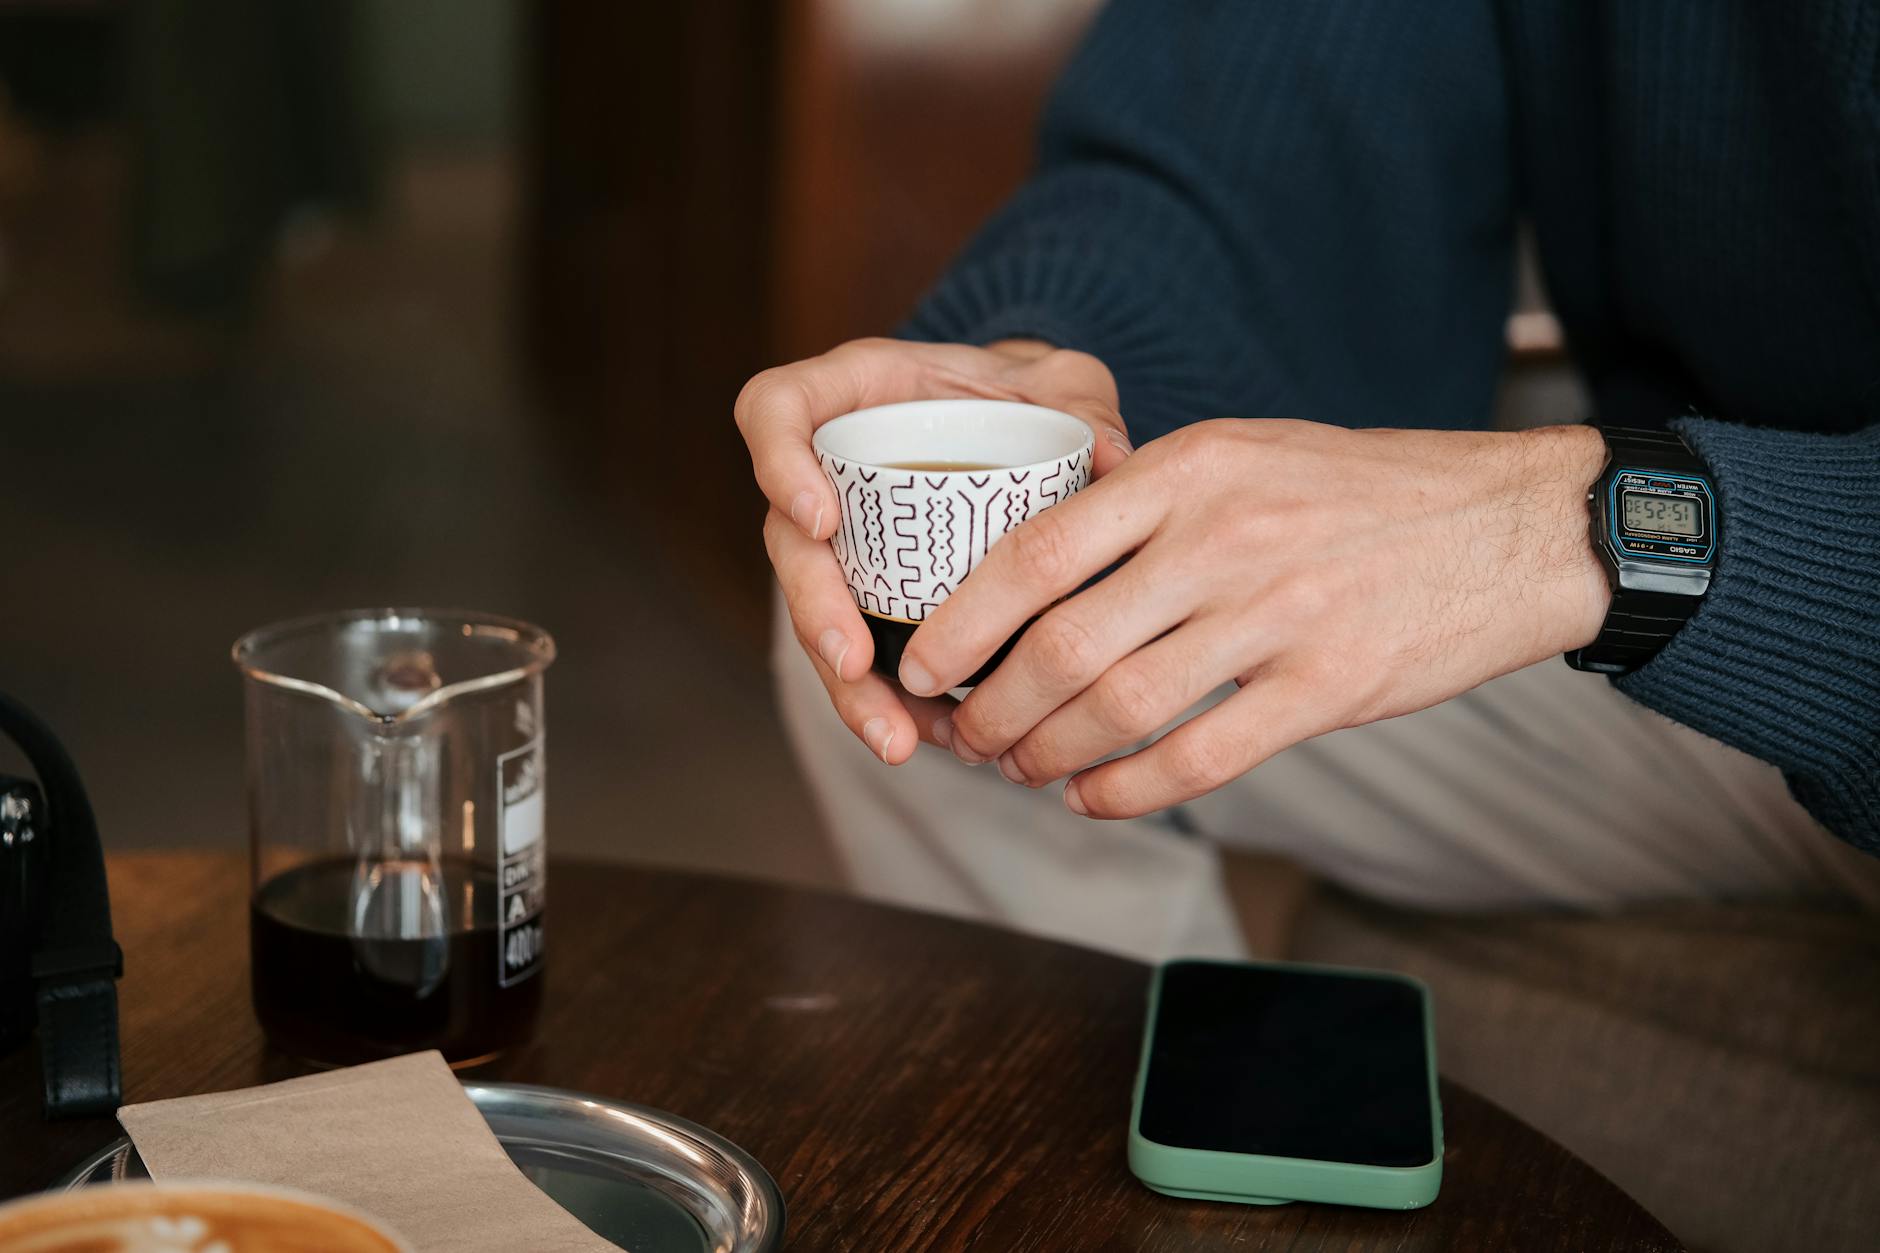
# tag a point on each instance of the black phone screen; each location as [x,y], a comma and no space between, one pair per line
[1289,1063]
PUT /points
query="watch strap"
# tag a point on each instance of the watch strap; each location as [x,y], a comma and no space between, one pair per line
[1637,625]
[1639,446]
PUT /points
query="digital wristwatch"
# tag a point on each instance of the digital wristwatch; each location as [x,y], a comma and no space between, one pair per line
[1655,529]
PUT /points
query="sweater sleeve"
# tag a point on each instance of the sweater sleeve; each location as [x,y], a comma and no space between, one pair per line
[1782,659]
[1263,207]
[1259,207]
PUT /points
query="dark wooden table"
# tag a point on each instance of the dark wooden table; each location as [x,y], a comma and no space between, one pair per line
[912,1082]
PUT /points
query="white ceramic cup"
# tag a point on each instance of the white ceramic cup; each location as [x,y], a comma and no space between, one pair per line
[906,537]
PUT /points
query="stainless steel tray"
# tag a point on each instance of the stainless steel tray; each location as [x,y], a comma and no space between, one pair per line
[642,1178]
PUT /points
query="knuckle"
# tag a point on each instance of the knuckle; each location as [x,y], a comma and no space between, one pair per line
[1257,430]
[1042,551]
[968,729]
[1078,369]
[1129,702]
[854,361]
[1036,762]
[1071,359]
[764,392]
[1190,452]
[1200,764]
[1064,649]
[1333,683]
[1297,600]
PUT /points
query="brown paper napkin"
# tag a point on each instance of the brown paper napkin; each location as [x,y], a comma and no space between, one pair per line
[397,1139]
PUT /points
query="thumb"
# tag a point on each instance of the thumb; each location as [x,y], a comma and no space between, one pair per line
[1082,386]
[1111,445]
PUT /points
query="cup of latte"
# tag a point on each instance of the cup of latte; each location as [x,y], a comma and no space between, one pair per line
[208,1217]
[925,488]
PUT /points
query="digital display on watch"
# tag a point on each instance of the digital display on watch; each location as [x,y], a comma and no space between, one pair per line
[1667,515]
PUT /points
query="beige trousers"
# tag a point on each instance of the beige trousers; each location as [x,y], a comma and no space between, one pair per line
[1545,787]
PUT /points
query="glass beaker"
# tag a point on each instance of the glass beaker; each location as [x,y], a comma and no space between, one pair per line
[395,805]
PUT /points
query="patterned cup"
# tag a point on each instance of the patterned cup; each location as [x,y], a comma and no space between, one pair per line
[924,489]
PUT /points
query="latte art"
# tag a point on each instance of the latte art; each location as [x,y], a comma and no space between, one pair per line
[145,1218]
[158,1233]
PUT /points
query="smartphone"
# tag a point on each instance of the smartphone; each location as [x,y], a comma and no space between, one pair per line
[1267,1082]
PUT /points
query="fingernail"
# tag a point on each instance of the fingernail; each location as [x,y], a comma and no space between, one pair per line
[943,732]
[877,734]
[1009,769]
[914,677]
[833,646]
[1074,801]
[800,509]
[1118,441]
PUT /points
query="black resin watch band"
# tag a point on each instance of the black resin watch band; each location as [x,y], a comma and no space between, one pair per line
[1637,625]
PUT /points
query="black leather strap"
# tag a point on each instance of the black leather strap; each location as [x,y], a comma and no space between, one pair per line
[78,1044]
[75,959]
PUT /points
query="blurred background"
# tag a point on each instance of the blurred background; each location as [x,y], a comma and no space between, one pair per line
[324,303]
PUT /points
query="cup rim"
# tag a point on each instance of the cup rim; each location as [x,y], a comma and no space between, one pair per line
[539,643]
[1085,443]
[280,1192]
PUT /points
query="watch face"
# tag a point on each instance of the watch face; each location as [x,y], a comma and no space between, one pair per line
[1658,515]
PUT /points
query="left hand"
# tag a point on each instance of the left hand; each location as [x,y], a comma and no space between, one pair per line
[1338,576]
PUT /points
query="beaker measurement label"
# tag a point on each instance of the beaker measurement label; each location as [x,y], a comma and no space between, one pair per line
[523,887]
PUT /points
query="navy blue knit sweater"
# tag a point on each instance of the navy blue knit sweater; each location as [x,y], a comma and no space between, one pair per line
[1262,207]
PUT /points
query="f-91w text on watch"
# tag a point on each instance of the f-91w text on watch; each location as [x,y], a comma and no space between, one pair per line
[1654,527]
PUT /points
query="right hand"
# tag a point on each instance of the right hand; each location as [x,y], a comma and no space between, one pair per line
[781,408]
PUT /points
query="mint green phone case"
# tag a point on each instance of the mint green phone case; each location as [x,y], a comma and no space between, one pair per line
[1249,1178]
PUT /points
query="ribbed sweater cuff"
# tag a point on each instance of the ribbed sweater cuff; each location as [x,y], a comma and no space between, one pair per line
[1782,659]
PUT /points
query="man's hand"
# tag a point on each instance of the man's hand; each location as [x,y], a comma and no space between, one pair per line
[780,409]
[1339,577]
